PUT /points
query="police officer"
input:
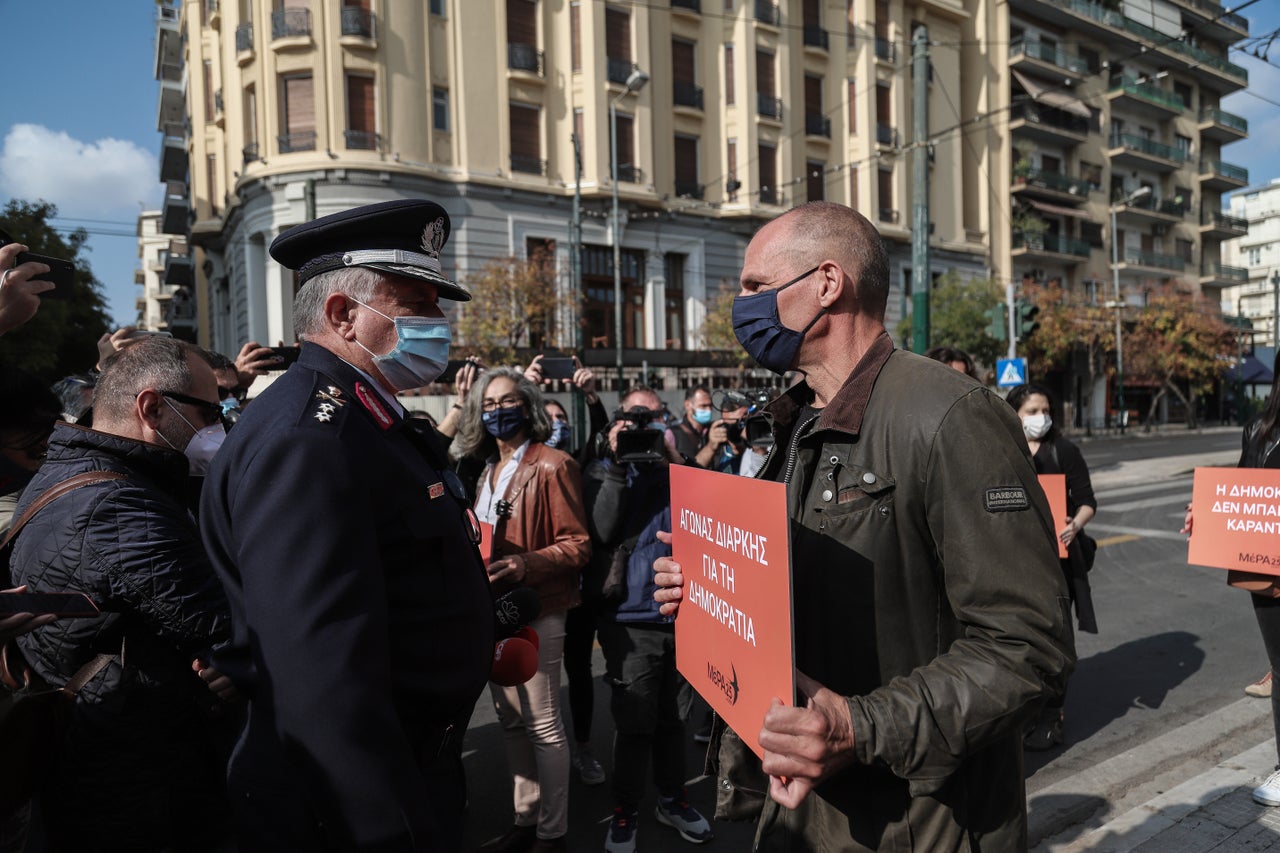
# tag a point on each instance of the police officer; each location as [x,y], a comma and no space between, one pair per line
[362,617]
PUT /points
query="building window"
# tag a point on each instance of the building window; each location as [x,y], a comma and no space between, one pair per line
[684,74]
[674,299]
[765,83]
[1255,255]
[579,127]
[526,139]
[1183,144]
[522,35]
[436,7]
[1091,173]
[440,109]
[732,184]
[853,105]
[575,34]
[597,303]
[1183,249]
[853,187]
[815,176]
[728,75]
[686,151]
[627,171]
[211,175]
[768,159]
[850,27]
[210,108]
[362,122]
[299,106]
[617,44]
[888,213]
[1183,91]
[251,118]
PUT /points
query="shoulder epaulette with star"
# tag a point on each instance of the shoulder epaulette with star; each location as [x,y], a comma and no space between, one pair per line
[328,404]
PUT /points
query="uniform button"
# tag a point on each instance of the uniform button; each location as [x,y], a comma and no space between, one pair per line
[868,478]
[826,495]
[884,511]
[726,785]
[835,460]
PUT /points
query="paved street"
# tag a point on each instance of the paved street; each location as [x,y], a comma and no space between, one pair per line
[1156,704]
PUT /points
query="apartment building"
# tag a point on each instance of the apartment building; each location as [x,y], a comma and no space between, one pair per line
[164,278]
[274,113]
[1257,256]
[1113,109]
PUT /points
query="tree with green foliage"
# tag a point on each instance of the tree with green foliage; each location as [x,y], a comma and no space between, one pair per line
[958,316]
[1178,341]
[63,336]
[1069,324]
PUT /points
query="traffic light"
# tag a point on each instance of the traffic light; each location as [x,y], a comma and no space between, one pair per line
[1026,319]
[997,327]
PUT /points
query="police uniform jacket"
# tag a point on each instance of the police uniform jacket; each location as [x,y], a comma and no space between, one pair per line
[362,617]
[927,591]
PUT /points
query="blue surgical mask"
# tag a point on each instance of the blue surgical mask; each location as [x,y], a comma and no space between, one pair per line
[560,431]
[421,352]
[702,416]
[503,424]
[761,333]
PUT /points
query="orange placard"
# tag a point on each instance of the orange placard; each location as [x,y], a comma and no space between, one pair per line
[486,542]
[733,633]
[1236,514]
[1055,489]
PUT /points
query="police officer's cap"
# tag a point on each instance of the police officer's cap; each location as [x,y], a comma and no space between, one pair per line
[402,237]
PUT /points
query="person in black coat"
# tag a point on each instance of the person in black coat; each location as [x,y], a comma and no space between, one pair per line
[362,617]
[1053,453]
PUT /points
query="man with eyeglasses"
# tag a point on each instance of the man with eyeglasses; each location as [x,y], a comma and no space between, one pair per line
[140,757]
[930,612]
[363,620]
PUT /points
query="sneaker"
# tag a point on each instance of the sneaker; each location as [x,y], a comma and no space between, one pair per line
[1268,793]
[622,832]
[684,818]
[589,769]
[1045,734]
[1260,688]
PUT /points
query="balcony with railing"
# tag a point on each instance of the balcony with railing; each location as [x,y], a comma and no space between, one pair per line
[687,5]
[1047,244]
[1222,126]
[244,38]
[815,36]
[886,51]
[886,135]
[768,195]
[687,94]
[303,140]
[362,140]
[1223,275]
[619,70]
[1217,22]
[1143,97]
[1048,124]
[1219,176]
[293,22]
[768,106]
[1139,259]
[527,164]
[1128,149]
[1048,59]
[889,216]
[527,58]
[358,22]
[1151,209]
[1222,226]
[629,173]
[176,209]
[173,154]
[689,189]
[251,153]
[767,12]
[1053,185]
[817,125]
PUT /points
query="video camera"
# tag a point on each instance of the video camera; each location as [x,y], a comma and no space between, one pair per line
[636,441]
[755,426]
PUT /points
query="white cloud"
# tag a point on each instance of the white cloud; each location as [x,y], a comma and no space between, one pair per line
[82,178]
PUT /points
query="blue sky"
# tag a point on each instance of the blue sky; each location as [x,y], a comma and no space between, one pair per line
[78,120]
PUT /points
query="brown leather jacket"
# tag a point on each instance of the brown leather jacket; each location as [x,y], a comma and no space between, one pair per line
[547,525]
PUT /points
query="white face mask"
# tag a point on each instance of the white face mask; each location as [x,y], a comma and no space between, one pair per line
[203,445]
[1036,426]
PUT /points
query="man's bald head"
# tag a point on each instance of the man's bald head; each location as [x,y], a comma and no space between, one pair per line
[823,229]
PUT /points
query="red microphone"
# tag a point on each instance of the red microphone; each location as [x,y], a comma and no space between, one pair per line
[514,662]
[529,635]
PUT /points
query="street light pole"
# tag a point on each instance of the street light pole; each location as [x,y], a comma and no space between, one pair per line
[635,82]
[1123,414]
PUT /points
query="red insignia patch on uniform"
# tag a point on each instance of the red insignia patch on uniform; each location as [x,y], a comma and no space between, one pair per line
[369,399]
[436,490]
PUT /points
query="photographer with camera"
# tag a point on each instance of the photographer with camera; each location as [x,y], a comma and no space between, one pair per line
[628,498]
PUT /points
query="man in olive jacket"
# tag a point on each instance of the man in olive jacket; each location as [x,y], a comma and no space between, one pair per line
[930,611]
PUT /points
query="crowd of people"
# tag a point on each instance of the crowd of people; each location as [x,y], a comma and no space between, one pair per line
[304,594]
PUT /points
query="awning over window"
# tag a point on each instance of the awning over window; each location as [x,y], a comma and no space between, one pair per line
[1051,98]
[1057,209]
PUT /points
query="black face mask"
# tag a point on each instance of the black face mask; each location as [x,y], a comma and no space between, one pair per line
[761,333]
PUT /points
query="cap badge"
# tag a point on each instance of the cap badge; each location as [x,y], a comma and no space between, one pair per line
[433,237]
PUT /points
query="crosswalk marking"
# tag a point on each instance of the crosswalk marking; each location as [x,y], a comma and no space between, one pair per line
[1116,540]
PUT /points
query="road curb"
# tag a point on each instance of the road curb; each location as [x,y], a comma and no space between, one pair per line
[1086,801]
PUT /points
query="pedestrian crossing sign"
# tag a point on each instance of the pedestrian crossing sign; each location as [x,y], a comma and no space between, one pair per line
[1011,372]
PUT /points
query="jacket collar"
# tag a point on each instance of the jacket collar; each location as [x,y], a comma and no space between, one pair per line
[167,468]
[846,409]
[352,384]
